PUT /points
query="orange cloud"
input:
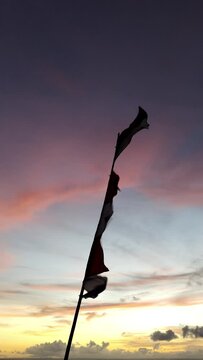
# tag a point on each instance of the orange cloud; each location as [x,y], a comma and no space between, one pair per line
[52,287]
[62,310]
[26,204]
[184,299]
[150,166]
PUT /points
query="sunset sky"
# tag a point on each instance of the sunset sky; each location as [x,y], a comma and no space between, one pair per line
[72,76]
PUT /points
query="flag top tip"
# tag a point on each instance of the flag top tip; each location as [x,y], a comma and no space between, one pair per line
[140,108]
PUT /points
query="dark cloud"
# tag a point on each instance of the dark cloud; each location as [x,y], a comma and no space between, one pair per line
[92,350]
[56,348]
[93,347]
[196,332]
[163,336]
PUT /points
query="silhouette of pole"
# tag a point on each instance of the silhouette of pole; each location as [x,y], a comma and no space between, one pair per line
[68,347]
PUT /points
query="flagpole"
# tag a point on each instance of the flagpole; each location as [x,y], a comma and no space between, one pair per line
[68,347]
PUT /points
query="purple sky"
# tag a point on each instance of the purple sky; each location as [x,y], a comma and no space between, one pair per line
[72,75]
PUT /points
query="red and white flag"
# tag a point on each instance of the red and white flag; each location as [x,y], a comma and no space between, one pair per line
[95,263]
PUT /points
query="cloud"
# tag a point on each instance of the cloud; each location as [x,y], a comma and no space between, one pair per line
[93,350]
[42,311]
[57,349]
[196,277]
[133,280]
[129,298]
[90,348]
[92,315]
[54,349]
[26,204]
[13,292]
[62,322]
[181,186]
[188,278]
[163,336]
[144,351]
[61,311]
[51,287]
[196,332]
[126,334]
[156,278]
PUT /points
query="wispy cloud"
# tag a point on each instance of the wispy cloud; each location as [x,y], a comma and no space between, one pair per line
[134,280]
[130,282]
[182,284]
[61,311]
[13,292]
[51,287]
[92,315]
[23,206]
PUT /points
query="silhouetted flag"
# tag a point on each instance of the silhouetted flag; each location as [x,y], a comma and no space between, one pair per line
[125,137]
[95,263]
[94,285]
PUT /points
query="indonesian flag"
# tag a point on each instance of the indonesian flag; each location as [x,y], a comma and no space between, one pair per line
[95,263]
[94,285]
[125,137]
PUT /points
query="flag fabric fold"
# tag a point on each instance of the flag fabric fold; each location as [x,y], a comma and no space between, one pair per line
[94,285]
[95,263]
[125,137]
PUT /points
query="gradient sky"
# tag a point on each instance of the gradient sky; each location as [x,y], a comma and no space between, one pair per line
[72,75]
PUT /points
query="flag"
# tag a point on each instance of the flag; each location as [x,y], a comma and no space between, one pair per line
[125,137]
[94,285]
[95,263]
